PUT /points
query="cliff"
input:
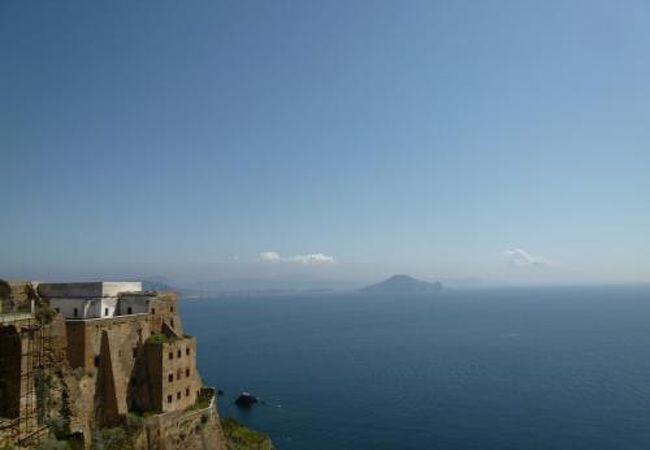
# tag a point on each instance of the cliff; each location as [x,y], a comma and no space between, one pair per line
[85,366]
[238,437]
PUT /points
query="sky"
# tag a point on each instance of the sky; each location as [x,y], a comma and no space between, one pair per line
[503,141]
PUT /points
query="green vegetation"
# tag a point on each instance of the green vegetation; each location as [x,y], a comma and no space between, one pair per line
[112,439]
[53,444]
[7,447]
[161,338]
[43,385]
[201,403]
[238,437]
[43,313]
[81,372]
[59,427]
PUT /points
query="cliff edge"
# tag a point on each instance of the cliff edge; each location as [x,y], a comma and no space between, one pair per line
[103,365]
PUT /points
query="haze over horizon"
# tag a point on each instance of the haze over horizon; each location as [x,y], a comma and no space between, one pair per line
[346,141]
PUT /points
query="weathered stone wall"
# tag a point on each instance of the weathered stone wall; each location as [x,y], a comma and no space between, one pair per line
[21,296]
[95,372]
[164,311]
[179,377]
[149,385]
[126,333]
[195,430]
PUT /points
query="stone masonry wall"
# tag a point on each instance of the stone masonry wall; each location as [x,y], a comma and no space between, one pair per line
[98,371]
[195,430]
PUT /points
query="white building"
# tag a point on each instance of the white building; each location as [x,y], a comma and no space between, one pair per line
[94,300]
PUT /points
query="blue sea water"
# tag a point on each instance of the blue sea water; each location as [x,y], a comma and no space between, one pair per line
[544,368]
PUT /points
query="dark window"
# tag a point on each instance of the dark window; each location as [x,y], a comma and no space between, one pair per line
[169,399]
[171,355]
[178,354]
[76,312]
[58,310]
[187,392]
[129,310]
[187,351]
[106,311]
[171,309]
[153,310]
[187,372]
[178,396]
[97,360]
[170,377]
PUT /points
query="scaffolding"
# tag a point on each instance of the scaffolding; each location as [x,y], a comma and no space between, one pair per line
[33,340]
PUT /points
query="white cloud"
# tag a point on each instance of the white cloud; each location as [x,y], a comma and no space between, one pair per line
[310,259]
[521,258]
[269,256]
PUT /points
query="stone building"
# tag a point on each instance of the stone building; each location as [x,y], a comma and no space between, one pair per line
[125,353]
[87,300]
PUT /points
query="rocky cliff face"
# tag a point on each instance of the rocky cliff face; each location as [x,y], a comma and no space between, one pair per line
[73,384]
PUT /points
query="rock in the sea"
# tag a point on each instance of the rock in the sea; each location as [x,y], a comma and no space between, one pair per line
[246,400]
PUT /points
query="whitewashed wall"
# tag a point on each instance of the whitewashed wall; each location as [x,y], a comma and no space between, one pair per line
[86,308]
[76,308]
[138,304]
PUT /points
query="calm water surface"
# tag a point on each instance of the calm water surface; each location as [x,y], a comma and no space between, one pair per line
[496,369]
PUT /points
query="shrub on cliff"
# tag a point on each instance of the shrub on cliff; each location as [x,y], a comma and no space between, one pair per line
[112,439]
[238,437]
[53,444]
[160,338]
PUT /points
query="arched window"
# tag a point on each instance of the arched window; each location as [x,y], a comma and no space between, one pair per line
[170,377]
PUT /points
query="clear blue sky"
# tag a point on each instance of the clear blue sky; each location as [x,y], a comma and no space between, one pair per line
[505,140]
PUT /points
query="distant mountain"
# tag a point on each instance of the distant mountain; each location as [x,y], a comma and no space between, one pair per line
[161,286]
[151,285]
[297,284]
[403,283]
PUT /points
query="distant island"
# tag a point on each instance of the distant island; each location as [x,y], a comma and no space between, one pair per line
[403,283]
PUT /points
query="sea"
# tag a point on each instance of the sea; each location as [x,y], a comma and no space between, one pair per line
[513,368]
